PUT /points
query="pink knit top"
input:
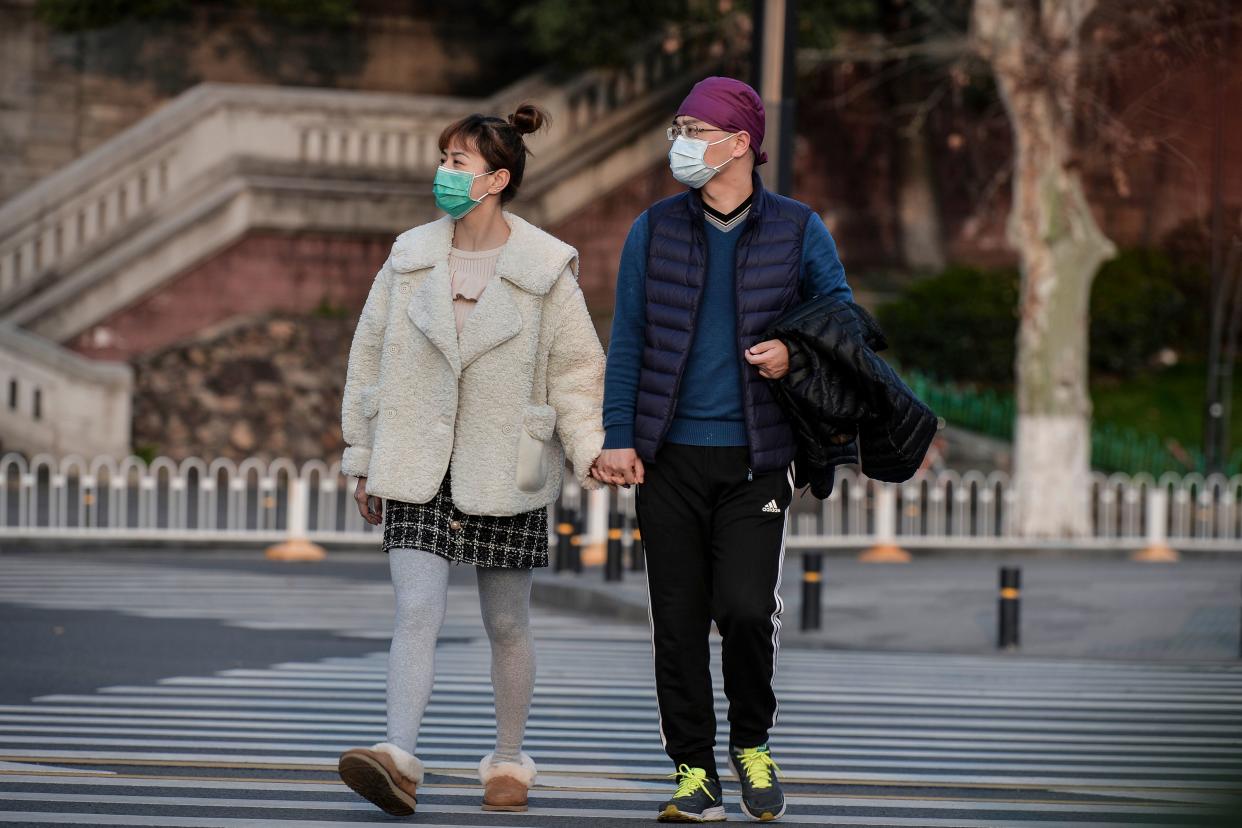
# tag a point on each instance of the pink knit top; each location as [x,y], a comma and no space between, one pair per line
[471,271]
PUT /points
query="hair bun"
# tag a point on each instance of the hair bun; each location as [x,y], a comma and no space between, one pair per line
[527,118]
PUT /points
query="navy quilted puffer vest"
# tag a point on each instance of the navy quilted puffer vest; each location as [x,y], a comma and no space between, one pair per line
[767,273]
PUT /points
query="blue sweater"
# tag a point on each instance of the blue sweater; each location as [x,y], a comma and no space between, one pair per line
[709,401]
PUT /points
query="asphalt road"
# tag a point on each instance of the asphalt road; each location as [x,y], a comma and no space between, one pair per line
[156,689]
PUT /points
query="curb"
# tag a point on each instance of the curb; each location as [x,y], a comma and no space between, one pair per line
[560,592]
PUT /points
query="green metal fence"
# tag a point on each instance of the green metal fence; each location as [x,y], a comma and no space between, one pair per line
[1113,448]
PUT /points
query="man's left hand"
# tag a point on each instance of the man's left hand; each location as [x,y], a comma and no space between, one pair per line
[771,357]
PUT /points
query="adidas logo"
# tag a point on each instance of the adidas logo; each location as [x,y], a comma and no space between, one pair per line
[771,507]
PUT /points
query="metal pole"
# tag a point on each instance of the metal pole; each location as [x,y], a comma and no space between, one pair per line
[785,144]
[1213,414]
[812,591]
[775,42]
[1010,603]
[756,45]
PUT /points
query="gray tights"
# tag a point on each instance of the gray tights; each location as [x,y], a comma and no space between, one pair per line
[421,583]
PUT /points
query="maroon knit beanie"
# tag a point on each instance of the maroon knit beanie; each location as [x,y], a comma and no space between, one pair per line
[729,104]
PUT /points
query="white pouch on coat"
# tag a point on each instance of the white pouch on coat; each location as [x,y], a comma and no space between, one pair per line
[534,447]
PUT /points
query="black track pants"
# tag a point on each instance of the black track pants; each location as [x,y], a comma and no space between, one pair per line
[714,546]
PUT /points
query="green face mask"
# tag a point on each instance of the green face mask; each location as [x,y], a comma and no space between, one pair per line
[452,191]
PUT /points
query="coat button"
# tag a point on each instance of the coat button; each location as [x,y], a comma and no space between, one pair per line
[507,429]
[455,525]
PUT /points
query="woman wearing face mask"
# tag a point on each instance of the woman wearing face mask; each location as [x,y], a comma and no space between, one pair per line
[475,371]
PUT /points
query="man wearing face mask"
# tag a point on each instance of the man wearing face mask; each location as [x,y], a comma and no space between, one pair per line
[690,420]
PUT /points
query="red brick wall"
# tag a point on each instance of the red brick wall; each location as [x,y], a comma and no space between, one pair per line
[295,273]
[1148,164]
[843,172]
[599,231]
[292,273]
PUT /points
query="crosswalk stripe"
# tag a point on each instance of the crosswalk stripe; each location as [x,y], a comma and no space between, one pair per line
[790,745]
[640,802]
[438,790]
[791,758]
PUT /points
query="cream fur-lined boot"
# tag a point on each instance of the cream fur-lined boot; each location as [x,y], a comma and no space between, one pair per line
[505,785]
[383,774]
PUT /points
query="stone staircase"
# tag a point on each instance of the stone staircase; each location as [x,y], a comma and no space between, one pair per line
[222,161]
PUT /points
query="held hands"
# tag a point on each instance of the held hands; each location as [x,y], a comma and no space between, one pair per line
[623,467]
[369,506]
[618,467]
[771,357]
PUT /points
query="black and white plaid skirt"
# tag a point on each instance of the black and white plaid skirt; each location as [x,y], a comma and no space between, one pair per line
[512,541]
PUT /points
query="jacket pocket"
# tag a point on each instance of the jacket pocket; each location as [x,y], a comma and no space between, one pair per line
[535,446]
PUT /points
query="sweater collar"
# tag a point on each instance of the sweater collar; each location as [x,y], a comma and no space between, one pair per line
[695,200]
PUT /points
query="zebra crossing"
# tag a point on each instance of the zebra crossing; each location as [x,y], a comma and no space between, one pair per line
[863,738]
[296,600]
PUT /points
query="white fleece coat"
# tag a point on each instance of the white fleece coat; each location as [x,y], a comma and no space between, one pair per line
[521,389]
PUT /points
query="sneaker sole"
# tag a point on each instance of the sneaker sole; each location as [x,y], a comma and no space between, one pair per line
[369,780]
[765,816]
[672,814]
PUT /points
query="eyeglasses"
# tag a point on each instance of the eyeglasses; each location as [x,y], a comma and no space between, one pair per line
[689,130]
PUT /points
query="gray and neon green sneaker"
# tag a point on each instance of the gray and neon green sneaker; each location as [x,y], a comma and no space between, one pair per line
[698,798]
[762,797]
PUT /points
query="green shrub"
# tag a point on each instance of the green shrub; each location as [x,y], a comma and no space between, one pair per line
[959,325]
[147,452]
[1136,310]
[1189,247]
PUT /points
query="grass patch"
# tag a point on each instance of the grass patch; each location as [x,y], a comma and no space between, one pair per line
[1167,403]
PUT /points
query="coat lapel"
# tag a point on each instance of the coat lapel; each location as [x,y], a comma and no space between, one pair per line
[529,264]
[494,320]
[431,310]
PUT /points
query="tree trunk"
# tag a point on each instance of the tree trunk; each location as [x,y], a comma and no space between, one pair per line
[1032,46]
[918,213]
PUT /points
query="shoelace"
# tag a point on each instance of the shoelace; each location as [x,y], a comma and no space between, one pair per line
[758,766]
[690,780]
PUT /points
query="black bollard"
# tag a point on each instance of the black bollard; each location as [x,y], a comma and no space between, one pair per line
[613,565]
[812,591]
[637,561]
[576,519]
[1010,603]
[564,537]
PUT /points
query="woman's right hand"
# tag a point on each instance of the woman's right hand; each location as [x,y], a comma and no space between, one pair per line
[618,467]
[370,507]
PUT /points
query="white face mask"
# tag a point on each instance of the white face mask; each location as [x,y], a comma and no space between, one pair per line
[685,159]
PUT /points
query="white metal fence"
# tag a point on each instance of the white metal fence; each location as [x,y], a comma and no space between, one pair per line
[263,501]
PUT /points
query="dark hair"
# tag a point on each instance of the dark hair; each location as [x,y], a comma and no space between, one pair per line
[499,140]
